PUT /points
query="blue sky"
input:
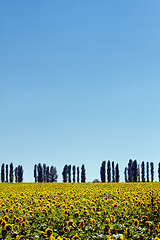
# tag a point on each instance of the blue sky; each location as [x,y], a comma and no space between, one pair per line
[79,83]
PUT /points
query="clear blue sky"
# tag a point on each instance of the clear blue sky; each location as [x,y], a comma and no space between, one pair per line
[79,83]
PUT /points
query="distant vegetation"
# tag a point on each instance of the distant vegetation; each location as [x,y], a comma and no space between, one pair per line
[109,172]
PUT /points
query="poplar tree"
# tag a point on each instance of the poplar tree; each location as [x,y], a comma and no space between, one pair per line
[65,173]
[11,173]
[134,171]
[35,172]
[83,173]
[109,171]
[113,172]
[74,173]
[152,171]
[47,174]
[2,172]
[20,173]
[143,171]
[130,175]
[103,171]
[117,173]
[44,172]
[77,174]
[6,172]
[40,174]
[69,173]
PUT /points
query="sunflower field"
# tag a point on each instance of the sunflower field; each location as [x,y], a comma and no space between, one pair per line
[80,211]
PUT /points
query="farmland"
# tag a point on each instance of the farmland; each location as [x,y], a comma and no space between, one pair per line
[80,211]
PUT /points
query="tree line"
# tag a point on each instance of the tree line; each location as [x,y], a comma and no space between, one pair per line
[143,172]
[9,174]
[109,172]
[44,173]
[66,173]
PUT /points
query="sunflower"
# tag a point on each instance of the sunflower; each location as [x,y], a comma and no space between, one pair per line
[23,225]
[115,205]
[3,223]
[148,224]
[70,223]
[17,220]
[159,225]
[93,221]
[82,224]
[49,232]
[65,211]
[155,212]
[94,209]
[76,214]
[7,210]
[72,207]
[8,227]
[136,222]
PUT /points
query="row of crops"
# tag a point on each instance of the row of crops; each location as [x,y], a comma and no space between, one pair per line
[80,211]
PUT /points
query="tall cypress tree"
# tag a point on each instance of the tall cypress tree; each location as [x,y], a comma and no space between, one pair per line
[152,171]
[40,174]
[11,173]
[2,172]
[74,173]
[20,174]
[117,173]
[35,172]
[44,172]
[130,168]
[113,172]
[134,171]
[65,173]
[103,171]
[77,174]
[83,173]
[6,172]
[143,171]
[69,173]
[109,171]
